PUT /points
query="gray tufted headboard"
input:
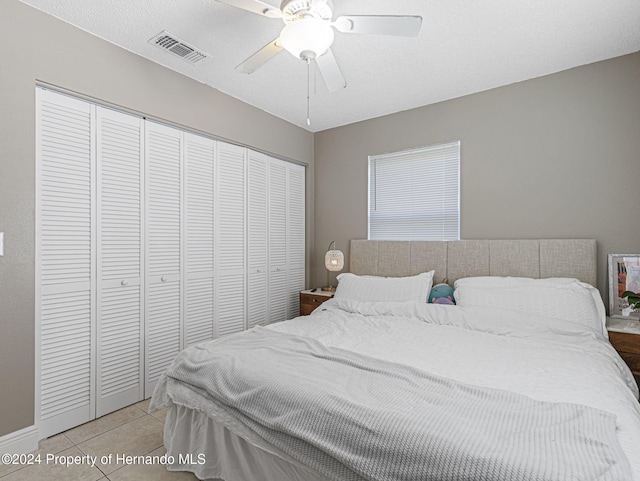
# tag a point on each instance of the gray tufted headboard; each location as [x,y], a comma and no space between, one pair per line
[466,258]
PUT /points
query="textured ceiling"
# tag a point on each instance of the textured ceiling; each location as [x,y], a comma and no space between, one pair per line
[465,46]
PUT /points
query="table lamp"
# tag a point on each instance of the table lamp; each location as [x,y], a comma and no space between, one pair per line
[333,261]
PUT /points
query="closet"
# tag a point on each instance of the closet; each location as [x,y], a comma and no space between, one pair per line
[276,253]
[149,239]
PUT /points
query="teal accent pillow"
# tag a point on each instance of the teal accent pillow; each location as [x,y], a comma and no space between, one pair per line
[441,294]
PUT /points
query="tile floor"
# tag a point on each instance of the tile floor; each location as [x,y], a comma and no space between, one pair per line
[130,431]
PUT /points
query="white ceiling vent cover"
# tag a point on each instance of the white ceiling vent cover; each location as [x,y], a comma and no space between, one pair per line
[169,42]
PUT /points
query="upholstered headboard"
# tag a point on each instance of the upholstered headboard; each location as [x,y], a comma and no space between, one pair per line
[467,258]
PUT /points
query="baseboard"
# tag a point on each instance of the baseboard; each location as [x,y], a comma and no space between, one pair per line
[22,441]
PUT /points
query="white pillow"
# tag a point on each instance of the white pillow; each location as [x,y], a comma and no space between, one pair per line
[559,298]
[497,281]
[389,289]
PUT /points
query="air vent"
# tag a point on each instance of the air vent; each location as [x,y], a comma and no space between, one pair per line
[171,43]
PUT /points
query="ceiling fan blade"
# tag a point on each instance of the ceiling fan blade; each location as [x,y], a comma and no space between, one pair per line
[401,25]
[255,6]
[330,71]
[260,57]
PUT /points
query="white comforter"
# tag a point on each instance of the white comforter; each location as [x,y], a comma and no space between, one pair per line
[543,358]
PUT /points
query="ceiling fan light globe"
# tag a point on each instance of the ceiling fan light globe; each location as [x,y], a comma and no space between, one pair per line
[308,36]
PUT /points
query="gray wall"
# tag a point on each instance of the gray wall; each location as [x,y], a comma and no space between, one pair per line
[553,157]
[38,47]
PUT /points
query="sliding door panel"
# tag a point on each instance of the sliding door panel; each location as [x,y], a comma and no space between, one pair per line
[295,236]
[163,152]
[199,165]
[230,239]
[257,224]
[65,266]
[119,264]
[277,241]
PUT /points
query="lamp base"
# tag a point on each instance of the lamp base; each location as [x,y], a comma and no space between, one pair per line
[328,289]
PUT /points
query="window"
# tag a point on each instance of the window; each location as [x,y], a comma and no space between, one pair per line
[415,194]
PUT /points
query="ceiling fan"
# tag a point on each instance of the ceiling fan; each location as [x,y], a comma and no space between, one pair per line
[308,33]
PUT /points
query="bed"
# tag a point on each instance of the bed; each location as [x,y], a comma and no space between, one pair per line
[517,381]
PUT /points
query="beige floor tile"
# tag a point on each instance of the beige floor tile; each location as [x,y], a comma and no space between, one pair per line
[9,468]
[56,470]
[135,438]
[51,445]
[54,444]
[103,424]
[150,472]
[160,414]
[144,405]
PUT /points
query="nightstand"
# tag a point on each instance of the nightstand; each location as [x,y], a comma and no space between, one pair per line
[624,335]
[309,300]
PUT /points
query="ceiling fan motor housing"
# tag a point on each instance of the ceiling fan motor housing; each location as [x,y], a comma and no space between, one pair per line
[294,10]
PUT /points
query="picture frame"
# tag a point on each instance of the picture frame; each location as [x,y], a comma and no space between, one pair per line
[624,275]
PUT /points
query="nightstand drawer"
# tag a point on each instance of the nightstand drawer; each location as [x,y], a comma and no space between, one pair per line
[628,346]
[309,301]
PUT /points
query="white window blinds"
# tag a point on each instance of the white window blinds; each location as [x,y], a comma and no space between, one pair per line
[415,194]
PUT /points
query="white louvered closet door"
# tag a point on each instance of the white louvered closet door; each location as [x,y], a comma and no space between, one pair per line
[65,266]
[119,260]
[278,296]
[199,156]
[163,165]
[257,223]
[295,236]
[230,239]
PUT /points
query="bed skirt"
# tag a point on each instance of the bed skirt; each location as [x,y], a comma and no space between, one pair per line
[201,445]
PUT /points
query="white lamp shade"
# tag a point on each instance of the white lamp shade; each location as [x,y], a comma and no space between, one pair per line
[334,260]
[311,35]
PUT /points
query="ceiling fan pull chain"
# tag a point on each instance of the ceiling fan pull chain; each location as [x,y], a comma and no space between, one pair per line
[315,78]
